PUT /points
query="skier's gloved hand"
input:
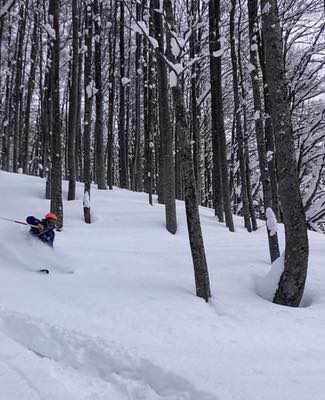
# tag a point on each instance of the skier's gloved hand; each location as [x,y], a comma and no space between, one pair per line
[40,227]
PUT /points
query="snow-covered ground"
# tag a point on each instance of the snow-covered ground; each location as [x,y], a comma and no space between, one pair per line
[127,324]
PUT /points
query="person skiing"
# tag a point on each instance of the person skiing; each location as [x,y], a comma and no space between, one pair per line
[43,229]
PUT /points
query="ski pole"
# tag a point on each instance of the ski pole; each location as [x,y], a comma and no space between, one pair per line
[18,222]
[14,220]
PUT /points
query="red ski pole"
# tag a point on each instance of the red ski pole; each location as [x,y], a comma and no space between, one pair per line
[14,220]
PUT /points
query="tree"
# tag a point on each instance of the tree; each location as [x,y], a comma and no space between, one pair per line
[202,281]
[240,139]
[123,170]
[18,93]
[293,278]
[88,33]
[166,167]
[111,98]
[73,102]
[220,168]
[99,140]
[259,128]
[56,155]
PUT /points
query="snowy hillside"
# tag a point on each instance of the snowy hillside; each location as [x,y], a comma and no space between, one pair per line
[126,324]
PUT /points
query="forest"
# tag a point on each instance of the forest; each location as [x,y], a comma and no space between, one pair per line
[215,103]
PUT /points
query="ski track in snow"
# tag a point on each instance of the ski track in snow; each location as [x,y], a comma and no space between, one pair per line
[135,378]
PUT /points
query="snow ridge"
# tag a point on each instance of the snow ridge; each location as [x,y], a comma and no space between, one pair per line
[135,377]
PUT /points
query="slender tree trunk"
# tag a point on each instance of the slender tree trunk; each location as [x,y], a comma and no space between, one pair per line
[5,150]
[216,169]
[201,273]
[56,156]
[137,165]
[78,142]
[88,34]
[166,132]
[195,125]
[151,112]
[293,278]
[73,103]
[147,74]
[30,90]
[259,129]
[245,129]
[99,140]
[122,132]
[111,100]
[269,134]
[17,95]
[218,131]
[240,140]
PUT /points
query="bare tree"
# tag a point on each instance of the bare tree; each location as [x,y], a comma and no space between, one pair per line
[292,281]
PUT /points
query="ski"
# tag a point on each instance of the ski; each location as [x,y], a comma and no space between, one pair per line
[50,270]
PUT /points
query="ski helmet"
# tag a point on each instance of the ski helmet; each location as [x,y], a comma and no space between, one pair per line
[51,216]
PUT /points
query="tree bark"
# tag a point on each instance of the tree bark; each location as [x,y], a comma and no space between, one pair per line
[111,99]
[99,140]
[56,154]
[259,129]
[137,173]
[123,170]
[201,273]
[240,140]
[166,132]
[88,34]
[216,169]
[17,95]
[293,278]
[73,103]
[217,119]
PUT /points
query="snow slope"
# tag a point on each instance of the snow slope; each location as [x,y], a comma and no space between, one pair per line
[127,324]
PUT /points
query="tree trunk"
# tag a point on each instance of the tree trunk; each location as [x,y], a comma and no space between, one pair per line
[259,129]
[56,170]
[216,169]
[88,34]
[137,165]
[245,129]
[111,99]
[17,95]
[100,153]
[201,273]
[293,278]
[73,103]
[218,131]
[269,134]
[148,100]
[30,90]
[240,141]
[121,128]
[166,132]
[195,123]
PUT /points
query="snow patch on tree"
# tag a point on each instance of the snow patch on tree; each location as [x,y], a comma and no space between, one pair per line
[50,31]
[172,79]
[266,286]
[251,67]
[271,222]
[86,200]
[266,8]
[218,53]
[125,81]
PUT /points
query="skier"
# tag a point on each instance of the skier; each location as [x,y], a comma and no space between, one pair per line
[43,229]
